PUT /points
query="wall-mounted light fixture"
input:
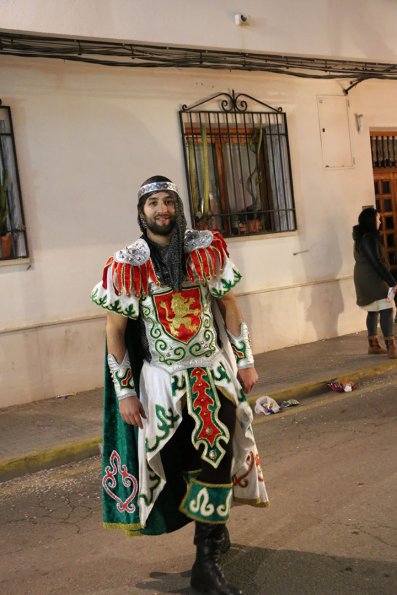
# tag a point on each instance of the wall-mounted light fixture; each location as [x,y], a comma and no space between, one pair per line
[240,19]
[359,121]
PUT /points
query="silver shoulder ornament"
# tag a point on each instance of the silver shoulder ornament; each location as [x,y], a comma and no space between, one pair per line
[131,270]
[195,239]
[135,254]
[205,254]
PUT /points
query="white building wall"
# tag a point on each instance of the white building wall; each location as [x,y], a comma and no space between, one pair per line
[340,28]
[87,136]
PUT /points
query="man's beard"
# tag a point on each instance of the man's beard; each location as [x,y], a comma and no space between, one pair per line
[161,230]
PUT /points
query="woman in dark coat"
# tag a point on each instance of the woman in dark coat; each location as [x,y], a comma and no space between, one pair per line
[373,280]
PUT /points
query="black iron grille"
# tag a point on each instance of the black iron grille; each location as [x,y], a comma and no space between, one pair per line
[238,167]
[384,150]
[12,223]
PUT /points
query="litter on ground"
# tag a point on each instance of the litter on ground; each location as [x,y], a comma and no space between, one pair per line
[266,405]
[341,387]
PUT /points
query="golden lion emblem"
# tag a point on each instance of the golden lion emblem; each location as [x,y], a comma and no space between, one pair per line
[181,308]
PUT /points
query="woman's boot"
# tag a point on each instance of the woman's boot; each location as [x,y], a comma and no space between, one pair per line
[207,576]
[391,347]
[374,346]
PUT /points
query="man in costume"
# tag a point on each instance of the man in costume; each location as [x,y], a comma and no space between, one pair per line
[178,443]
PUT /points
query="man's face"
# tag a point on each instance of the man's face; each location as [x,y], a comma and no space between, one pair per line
[159,214]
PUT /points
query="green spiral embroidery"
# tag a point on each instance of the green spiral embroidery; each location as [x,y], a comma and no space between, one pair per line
[172,355]
[145,310]
[219,373]
[155,331]
[209,336]
[207,322]
[197,349]
[178,383]
[166,421]
[155,480]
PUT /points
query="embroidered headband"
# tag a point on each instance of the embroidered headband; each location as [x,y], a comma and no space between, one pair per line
[156,187]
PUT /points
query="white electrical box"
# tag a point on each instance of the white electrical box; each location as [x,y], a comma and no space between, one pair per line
[333,115]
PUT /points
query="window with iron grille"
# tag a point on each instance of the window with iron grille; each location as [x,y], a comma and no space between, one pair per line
[383,148]
[12,225]
[238,167]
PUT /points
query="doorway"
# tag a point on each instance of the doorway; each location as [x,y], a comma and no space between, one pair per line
[384,163]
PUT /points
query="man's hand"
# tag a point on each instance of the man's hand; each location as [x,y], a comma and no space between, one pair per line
[247,377]
[131,411]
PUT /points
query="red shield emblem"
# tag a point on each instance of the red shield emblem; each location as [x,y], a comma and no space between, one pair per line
[179,313]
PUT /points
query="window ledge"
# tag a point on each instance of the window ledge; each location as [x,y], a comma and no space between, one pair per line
[16,262]
[263,236]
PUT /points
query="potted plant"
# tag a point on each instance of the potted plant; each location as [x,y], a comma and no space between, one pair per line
[251,220]
[4,232]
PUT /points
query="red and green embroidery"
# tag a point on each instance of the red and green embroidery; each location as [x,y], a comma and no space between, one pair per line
[179,313]
[204,406]
[240,351]
[126,380]
[253,462]
[110,485]
[179,325]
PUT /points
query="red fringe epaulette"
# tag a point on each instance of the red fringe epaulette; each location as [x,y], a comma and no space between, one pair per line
[206,263]
[126,277]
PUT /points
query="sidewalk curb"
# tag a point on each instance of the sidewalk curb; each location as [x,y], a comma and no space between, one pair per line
[317,387]
[50,457]
[74,451]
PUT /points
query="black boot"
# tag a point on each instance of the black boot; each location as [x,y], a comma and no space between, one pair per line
[207,576]
[225,538]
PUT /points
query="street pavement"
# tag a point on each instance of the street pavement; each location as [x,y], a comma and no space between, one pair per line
[330,466]
[64,428]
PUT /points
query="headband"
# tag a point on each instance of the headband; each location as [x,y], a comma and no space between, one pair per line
[156,187]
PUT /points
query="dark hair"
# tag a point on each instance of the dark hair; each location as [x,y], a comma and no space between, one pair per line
[367,220]
[155,179]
